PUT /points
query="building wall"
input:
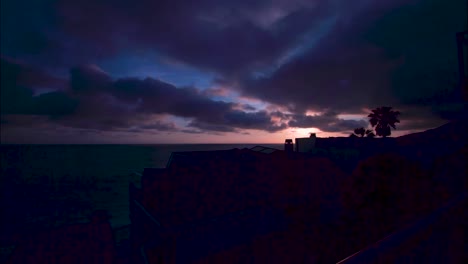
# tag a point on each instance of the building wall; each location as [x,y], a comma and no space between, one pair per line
[305,144]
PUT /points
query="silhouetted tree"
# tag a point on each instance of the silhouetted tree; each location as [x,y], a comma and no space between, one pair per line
[369,133]
[385,190]
[382,118]
[361,132]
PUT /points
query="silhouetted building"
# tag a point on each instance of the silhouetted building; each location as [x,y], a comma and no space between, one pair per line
[90,242]
[211,206]
[206,200]
[306,144]
[288,146]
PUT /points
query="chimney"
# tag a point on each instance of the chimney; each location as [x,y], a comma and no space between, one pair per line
[288,146]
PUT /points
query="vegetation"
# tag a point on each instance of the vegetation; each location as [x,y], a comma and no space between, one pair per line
[361,132]
[385,192]
[382,119]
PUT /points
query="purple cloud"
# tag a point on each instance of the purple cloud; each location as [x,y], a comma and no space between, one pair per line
[96,101]
[332,57]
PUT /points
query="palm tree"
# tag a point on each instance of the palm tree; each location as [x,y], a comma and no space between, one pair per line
[361,132]
[382,118]
[369,133]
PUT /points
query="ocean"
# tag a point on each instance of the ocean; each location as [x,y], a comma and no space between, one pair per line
[62,184]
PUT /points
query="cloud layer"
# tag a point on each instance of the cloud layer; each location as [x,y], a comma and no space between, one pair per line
[294,57]
[94,100]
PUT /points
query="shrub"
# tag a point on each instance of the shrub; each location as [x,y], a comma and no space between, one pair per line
[386,190]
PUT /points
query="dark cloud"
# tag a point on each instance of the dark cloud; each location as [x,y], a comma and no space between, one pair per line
[327,122]
[161,126]
[22,74]
[332,57]
[54,104]
[211,127]
[17,92]
[374,57]
[279,114]
[151,96]
[256,120]
[154,96]
[212,92]
[89,79]
[234,120]
[191,131]
[425,39]
[95,101]
[342,125]
[418,117]
[201,35]
[248,107]
[419,124]
[25,121]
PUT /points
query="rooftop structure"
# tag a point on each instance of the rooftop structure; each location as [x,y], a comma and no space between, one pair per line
[306,144]
[212,202]
[224,194]
[227,176]
[288,146]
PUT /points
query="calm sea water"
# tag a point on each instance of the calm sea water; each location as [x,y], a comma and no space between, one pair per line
[93,176]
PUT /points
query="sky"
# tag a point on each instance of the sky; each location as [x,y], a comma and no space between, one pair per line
[232,71]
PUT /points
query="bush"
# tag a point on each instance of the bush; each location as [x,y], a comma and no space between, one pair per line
[450,174]
[386,190]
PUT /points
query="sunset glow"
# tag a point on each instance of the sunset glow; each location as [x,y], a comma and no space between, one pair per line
[223,71]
